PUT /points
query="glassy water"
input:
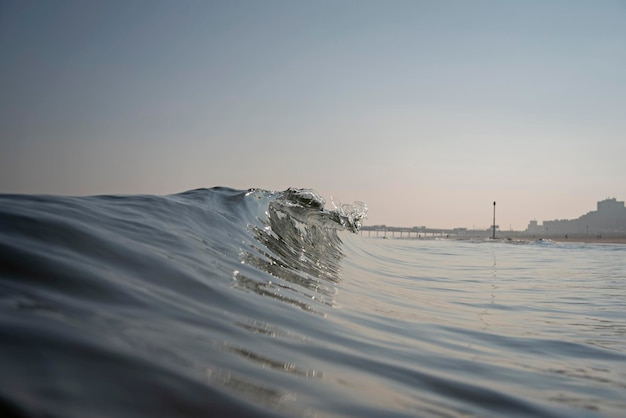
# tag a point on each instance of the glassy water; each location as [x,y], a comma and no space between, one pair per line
[222,302]
[493,328]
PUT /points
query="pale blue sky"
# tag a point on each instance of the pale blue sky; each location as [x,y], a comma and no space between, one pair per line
[426,110]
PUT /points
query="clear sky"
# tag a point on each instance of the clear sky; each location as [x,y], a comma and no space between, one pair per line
[428,111]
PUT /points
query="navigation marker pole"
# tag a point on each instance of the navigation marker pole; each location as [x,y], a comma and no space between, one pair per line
[494,221]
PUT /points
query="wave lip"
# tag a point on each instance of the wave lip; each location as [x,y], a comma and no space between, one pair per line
[309,203]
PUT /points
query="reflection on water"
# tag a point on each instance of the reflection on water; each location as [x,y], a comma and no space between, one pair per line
[269,363]
[253,391]
[541,325]
[301,254]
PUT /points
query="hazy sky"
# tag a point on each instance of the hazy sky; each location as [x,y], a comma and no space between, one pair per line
[426,110]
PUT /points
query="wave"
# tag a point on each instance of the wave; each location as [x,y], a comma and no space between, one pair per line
[102,295]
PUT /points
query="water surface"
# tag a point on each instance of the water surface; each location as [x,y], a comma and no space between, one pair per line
[218,302]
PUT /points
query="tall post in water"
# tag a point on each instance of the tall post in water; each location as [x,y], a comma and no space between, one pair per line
[494,221]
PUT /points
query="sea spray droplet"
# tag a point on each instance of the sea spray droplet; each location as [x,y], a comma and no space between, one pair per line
[350,216]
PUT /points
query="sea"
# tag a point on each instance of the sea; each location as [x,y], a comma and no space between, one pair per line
[230,303]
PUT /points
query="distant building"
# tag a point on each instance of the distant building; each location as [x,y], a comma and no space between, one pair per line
[610,217]
[534,228]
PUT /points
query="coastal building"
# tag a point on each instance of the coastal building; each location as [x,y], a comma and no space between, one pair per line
[534,227]
[609,218]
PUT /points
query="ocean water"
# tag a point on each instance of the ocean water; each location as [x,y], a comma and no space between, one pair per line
[222,302]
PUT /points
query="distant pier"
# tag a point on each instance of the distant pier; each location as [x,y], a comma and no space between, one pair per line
[384,231]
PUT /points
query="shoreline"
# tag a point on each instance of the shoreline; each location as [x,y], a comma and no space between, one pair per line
[591,240]
[615,239]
